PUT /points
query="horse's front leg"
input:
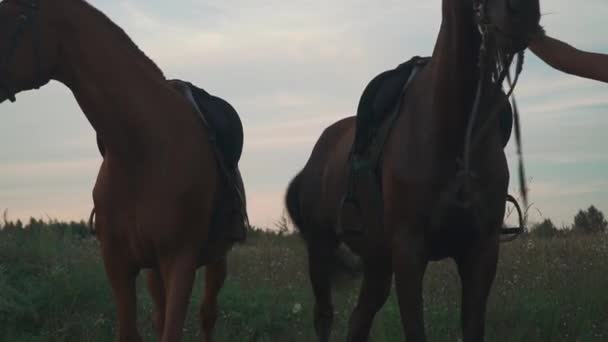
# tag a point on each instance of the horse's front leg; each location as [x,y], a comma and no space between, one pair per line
[178,271]
[121,275]
[157,292]
[477,269]
[377,280]
[215,274]
[409,265]
[320,256]
[121,269]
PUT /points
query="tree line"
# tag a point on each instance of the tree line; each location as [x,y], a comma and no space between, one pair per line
[589,221]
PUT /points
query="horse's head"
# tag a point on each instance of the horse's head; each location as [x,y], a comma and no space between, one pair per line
[512,22]
[29,47]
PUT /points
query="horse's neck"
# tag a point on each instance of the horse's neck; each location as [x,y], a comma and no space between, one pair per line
[104,72]
[454,60]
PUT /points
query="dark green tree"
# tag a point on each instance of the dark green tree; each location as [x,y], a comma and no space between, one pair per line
[590,221]
[545,229]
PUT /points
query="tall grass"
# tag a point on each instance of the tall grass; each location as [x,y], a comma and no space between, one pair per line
[53,288]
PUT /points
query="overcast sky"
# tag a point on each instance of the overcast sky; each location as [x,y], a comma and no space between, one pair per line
[291,68]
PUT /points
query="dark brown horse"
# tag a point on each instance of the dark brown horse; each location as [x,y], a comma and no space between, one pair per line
[159,182]
[420,167]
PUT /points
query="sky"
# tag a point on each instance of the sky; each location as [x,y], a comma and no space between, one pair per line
[291,68]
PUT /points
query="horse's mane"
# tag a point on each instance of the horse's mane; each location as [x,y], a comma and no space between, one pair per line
[121,34]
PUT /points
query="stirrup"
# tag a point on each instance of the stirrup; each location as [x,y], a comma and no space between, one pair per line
[349,201]
[514,231]
[352,228]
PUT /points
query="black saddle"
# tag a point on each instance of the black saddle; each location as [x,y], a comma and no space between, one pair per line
[382,93]
[224,122]
[226,132]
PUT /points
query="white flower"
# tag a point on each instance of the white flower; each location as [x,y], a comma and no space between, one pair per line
[297,307]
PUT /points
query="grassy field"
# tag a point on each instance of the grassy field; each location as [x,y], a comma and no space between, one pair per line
[53,288]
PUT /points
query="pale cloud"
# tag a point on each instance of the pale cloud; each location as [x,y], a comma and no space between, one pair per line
[562,105]
[62,204]
[49,168]
[283,36]
[265,207]
[543,189]
[549,85]
[567,158]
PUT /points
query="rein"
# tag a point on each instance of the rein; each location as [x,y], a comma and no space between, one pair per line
[472,137]
[27,17]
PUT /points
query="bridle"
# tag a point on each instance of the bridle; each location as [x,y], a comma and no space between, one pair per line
[475,132]
[25,19]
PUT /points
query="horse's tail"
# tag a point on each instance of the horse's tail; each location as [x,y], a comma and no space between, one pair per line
[343,262]
[92,221]
[292,203]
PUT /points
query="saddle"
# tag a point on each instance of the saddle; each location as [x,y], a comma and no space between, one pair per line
[376,113]
[216,114]
[382,94]
[379,103]
[222,119]
[226,135]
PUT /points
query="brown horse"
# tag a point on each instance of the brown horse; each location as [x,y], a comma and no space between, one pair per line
[420,165]
[159,181]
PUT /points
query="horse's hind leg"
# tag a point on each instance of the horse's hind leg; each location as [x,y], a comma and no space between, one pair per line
[374,292]
[409,264]
[320,256]
[215,274]
[157,292]
[178,271]
[477,270]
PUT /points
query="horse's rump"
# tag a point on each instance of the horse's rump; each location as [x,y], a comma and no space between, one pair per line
[313,195]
